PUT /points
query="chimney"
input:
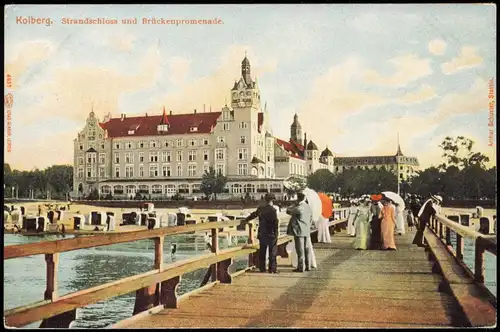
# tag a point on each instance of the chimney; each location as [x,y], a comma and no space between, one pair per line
[123,116]
[170,112]
[146,115]
[203,108]
[195,111]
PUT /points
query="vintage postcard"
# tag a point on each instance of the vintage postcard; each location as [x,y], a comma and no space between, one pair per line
[248,166]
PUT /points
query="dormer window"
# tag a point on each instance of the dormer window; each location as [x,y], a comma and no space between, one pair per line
[193,129]
[133,129]
[162,128]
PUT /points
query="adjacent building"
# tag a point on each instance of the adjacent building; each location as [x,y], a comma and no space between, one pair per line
[403,167]
[164,154]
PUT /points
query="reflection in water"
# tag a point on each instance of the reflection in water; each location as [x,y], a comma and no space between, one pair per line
[85,268]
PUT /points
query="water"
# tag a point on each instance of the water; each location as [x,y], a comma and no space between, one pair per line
[490,262]
[24,278]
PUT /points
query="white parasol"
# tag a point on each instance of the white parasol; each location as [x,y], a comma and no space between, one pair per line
[395,198]
[314,202]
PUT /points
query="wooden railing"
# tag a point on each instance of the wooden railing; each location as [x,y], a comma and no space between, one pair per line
[443,226]
[155,288]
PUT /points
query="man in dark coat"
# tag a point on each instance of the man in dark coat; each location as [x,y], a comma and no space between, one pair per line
[267,233]
[415,206]
[427,211]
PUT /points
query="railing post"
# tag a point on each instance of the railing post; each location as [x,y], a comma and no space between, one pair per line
[65,319]
[460,247]
[440,225]
[215,250]
[448,236]
[52,262]
[479,261]
[159,244]
[149,297]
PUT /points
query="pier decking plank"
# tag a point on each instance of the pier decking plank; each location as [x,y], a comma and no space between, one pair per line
[350,288]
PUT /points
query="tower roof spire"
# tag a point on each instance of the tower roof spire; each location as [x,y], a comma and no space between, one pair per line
[399,153]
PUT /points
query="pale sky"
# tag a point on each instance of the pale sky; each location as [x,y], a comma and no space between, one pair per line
[355,74]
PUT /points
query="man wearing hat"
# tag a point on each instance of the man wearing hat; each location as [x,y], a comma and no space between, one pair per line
[428,210]
[300,227]
[267,233]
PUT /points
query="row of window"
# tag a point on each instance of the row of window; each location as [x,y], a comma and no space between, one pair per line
[165,156]
[297,169]
[165,171]
[167,144]
[154,171]
[172,189]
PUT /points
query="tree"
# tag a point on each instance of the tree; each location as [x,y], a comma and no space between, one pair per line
[7,177]
[294,185]
[59,178]
[427,182]
[458,152]
[212,182]
[322,180]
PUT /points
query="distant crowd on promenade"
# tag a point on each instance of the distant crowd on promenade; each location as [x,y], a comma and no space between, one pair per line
[373,220]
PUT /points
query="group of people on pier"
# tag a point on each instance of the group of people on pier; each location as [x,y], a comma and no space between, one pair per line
[374,221]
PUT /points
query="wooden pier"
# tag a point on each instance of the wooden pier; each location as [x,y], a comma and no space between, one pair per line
[409,287]
[350,288]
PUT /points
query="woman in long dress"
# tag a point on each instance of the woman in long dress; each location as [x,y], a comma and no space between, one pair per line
[400,220]
[387,226]
[362,221]
[353,209]
[323,231]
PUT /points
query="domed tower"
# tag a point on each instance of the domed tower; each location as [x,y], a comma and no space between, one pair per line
[296,130]
[327,157]
[312,157]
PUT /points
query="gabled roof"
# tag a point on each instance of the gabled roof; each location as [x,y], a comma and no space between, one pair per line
[290,148]
[179,124]
[164,118]
[256,160]
[299,146]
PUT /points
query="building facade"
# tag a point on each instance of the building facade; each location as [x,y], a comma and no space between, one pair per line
[161,155]
[402,166]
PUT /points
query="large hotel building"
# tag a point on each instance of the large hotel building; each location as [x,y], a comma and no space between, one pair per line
[161,155]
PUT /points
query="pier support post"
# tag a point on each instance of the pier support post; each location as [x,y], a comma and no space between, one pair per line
[168,295]
[215,250]
[460,247]
[282,250]
[149,297]
[223,274]
[479,261]
[61,321]
[146,298]
[252,258]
